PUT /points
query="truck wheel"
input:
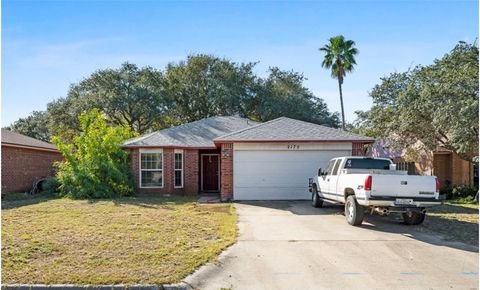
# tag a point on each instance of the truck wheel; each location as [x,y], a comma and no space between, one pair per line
[413,218]
[353,211]
[316,200]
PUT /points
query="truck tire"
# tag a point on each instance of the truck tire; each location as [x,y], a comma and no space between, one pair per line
[353,211]
[413,218]
[316,200]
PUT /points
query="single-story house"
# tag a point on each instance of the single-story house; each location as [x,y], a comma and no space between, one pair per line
[25,160]
[238,158]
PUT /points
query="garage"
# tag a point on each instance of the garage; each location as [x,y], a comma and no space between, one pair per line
[280,171]
[275,159]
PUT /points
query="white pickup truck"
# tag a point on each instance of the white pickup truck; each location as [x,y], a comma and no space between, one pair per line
[363,183]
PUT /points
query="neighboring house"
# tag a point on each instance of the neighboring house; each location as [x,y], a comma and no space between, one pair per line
[25,160]
[446,165]
[238,158]
[449,167]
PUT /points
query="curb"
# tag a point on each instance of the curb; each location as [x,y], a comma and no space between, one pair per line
[177,286]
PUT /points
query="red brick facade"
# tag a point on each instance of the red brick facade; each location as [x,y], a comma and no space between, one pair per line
[358,149]
[190,173]
[192,170]
[21,167]
[449,167]
[226,171]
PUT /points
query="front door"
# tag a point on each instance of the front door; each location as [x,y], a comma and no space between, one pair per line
[210,172]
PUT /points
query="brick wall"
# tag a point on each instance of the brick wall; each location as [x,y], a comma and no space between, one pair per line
[462,171]
[190,173]
[449,166]
[358,149]
[226,171]
[21,167]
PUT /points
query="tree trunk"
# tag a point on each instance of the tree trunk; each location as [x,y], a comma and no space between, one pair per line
[341,103]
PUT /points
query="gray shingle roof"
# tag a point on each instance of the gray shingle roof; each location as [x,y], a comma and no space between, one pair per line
[286,129]
[12,138]
[196,134]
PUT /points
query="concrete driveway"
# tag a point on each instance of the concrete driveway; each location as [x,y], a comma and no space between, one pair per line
[290,245]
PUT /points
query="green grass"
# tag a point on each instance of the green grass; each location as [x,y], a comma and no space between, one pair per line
[129,240]
[456,221]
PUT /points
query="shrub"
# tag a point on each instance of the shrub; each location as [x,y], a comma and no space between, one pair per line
[464,191]
[446,190]
[95,164]
[51,185]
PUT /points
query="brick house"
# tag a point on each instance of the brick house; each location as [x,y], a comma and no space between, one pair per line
[238,158]
[25,160]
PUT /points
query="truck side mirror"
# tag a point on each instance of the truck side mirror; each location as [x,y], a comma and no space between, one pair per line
[319,171]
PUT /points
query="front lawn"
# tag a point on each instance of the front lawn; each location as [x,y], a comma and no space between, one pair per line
[456,221]
[123,241]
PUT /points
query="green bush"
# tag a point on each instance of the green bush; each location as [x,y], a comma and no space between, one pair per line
[463,191]
[446,190]
[51,185]
[95,164]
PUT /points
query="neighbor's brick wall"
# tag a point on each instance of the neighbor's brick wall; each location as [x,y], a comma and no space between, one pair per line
[226,171]
[449,166]
[21,167]
[462,171]
[358,149]
[190,172]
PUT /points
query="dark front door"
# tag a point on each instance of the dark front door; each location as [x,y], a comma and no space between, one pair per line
[210,173]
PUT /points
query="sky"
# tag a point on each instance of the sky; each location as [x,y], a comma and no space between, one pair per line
[49,45]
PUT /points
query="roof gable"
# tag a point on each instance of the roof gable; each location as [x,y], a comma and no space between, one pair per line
[198,134]
[287,129]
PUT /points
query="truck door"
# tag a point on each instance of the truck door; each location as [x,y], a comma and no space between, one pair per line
[324,180]
[332,184]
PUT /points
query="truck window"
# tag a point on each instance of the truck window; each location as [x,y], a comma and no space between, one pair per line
[330,167]
[356,163]
[336,166]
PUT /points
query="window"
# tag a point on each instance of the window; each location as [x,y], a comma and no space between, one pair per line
[151,168]
[330,167]
[335,168]
[367,163]
[178,167]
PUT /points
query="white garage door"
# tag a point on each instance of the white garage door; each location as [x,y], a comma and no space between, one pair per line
[278,172]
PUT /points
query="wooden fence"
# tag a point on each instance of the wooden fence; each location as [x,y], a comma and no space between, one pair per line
[407,166]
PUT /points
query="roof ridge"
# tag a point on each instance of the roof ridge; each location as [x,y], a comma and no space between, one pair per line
[246,129]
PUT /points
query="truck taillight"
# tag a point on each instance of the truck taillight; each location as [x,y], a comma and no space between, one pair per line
[437,189]
[368,183]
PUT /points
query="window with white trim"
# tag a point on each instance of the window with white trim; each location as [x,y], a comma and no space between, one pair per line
[178,168]
[151,168]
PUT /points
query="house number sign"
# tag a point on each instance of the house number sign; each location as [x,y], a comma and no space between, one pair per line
[293,146]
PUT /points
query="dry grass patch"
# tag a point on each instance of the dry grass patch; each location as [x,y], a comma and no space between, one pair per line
[129,240]
[458,222]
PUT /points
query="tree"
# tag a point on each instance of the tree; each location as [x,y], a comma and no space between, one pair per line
[146,99]
[35,125]
[282,94]
[128,96]
[340,59]
[436,105]
[95,164]
[206,86]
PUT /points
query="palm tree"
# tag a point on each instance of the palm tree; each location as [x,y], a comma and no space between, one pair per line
[340,58]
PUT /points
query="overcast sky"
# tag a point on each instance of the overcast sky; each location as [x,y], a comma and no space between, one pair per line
[48,45]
